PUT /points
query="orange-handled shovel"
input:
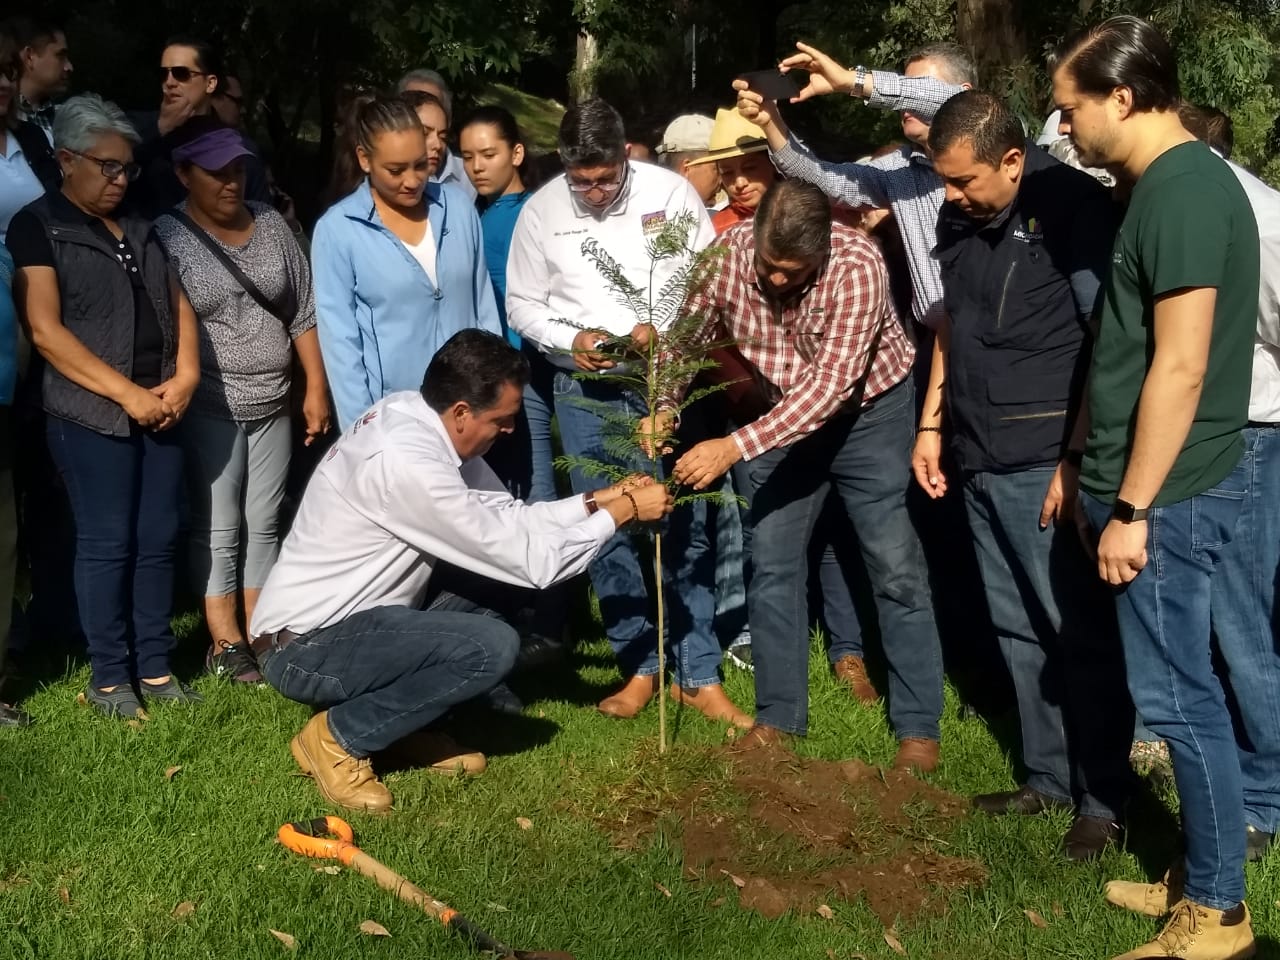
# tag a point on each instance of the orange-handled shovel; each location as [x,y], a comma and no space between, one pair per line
[330,838]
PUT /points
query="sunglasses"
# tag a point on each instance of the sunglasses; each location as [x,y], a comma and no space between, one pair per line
[113,169]
[181,74]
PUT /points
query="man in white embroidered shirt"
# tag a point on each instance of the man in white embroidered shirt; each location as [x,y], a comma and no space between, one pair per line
[339,624]
[559,300]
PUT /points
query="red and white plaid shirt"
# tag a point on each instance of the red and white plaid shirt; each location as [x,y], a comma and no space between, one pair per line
[809,353]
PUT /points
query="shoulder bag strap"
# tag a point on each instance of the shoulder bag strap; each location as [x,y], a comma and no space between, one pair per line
[251,288]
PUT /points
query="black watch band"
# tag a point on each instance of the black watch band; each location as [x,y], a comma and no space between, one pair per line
[1126,512]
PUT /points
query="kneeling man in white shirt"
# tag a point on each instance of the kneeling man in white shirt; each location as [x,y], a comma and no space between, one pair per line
[340,623]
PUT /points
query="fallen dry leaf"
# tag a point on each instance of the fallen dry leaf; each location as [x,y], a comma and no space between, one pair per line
[717,902]
[64,894]
[183,910]
[825,912]
[289,940]
[737,881]
[133,724]
[1036,919]
[1057,909]
[891,938]
[663,890]
[524,823]
[171,773]
[332,869]
[498,907]
[831,954]
[374,929]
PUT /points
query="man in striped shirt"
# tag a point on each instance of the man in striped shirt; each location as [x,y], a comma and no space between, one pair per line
[808,304]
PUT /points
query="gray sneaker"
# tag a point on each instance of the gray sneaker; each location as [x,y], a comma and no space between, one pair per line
[739,652]
[121,702]
[171,690]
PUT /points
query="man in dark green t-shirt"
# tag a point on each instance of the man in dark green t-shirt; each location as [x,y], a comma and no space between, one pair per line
[1163,479]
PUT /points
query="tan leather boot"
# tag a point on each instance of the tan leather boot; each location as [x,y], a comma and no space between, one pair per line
[1200,933]
[712,702]
[917,754]
[343,779]
[852,672]
[631,699]
[1149,899]
[436,751]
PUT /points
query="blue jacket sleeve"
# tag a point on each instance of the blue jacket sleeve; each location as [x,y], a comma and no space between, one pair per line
[487,317]
[342,344]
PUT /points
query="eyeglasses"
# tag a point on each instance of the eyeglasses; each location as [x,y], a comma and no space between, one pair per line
[113,169]
[181,74]
[605,186]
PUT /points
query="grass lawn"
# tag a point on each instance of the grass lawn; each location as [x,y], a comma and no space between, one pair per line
[98,846]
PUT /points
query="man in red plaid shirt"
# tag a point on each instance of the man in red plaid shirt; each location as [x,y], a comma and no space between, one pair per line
[808,303]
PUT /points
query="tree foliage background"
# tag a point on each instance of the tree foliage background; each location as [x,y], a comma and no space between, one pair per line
[654,58]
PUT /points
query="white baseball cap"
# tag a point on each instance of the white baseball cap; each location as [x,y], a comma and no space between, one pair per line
[688,133]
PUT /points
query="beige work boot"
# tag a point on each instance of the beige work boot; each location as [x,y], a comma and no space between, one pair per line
[343,779]
[1200,933]
[1149,899]
[435,751]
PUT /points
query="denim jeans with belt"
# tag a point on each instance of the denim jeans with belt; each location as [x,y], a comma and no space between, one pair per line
[866,460]
[1164,615]
[1056,625]
[592,413]
[1243,610]
[124,502]
[387,672]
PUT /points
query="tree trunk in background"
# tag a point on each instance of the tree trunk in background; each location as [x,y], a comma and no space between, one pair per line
[583,83]
[992,31]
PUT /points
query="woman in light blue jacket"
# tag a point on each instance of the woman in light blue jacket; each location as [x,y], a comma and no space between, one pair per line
[398,265]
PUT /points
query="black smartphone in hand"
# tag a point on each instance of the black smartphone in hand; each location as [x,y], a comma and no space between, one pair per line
[773,84]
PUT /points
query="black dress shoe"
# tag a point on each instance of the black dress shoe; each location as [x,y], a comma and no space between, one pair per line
[1024,800]
[537,651]
[11,716]
[1089,836]
[503,699]
[1256,843]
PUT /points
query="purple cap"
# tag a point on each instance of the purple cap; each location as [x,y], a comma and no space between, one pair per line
[213,150]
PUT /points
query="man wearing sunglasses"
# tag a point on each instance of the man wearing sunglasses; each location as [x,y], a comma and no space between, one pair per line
[191,76]
[558,299]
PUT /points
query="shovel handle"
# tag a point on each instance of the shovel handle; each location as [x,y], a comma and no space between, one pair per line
[325,838]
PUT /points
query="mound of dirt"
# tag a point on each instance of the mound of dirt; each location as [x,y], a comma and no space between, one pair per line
[789,832]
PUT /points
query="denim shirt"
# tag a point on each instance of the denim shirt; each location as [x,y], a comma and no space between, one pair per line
[380,317]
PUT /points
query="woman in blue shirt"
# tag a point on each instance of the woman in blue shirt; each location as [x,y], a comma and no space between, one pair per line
[398,265]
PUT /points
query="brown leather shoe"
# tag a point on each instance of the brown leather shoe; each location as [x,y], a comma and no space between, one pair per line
[343,779]
[631,699]
[760,737]
[852,672]
[433,750]
[711,701]
[917,754]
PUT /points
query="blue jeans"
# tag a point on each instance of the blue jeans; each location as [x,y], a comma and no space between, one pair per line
[124,503]
[1243,609]
[592,413]
[386,672]
[1056,625]
[865,459]
[1164,615]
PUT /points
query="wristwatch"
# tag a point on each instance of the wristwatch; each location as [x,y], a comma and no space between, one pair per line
[589,499]
[859,80]
[1126,512]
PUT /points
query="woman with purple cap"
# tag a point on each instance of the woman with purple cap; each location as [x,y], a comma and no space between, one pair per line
[250,286]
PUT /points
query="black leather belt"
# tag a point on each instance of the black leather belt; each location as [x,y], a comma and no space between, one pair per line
[270,642]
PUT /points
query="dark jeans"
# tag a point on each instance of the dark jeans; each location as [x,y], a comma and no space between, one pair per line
[1243,602]
[124,494]
[387,672]
[591,413]
[1164,615]
[1056,625]
[865,459]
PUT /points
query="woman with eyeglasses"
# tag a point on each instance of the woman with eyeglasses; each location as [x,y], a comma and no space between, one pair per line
[398,264]
[101,305]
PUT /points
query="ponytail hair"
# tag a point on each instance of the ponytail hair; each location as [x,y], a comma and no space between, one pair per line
[502,120]
[364,118]
[378,115]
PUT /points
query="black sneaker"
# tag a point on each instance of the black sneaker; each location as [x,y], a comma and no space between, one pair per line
[538,651]
[171,690]
[11,716]
[234,661]
[1256,843]
[121,702]
[739,652]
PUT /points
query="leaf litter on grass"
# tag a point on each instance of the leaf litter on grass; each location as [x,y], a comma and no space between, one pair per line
[791,832]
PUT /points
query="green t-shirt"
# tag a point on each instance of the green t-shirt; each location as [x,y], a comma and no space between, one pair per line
[1189,224]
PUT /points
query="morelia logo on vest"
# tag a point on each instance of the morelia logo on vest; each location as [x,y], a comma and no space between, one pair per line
[1032,233]
[652,223]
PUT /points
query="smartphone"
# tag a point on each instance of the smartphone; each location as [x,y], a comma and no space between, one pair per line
[773,84]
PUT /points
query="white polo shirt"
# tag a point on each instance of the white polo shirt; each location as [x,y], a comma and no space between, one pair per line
[389,500]
[1264,394]
[550,279]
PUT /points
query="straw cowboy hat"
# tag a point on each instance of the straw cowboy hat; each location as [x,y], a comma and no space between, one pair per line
[732,136]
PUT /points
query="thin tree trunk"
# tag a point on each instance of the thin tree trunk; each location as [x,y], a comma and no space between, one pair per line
[992,31]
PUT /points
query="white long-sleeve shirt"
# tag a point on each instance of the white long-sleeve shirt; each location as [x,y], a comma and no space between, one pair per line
[550,280]
[391,498]
[1264,393]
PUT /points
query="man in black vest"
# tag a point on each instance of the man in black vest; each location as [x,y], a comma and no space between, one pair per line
[1023,244]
